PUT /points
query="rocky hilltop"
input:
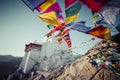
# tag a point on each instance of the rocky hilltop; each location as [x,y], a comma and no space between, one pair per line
[99,63]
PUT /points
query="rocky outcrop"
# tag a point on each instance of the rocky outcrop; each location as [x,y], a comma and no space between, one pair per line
[82,69]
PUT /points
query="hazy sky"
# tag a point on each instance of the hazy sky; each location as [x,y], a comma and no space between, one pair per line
[20,26]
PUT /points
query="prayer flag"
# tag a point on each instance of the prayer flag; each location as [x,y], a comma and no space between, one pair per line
[109,13]
[69,2]
[100,32]
[68,40]
[50,18]
[73,9]
[80,26]
[32,4]
[94,5]
[50,26]
[58,36]
[71,19]
[54,7]
[45,5]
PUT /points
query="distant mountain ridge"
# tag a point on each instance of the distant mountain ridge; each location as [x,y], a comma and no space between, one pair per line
[6,58]
[8,65]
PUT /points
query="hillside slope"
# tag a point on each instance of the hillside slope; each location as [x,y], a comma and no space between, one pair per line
[83,69]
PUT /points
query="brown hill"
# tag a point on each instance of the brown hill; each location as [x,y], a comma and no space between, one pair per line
[83,69]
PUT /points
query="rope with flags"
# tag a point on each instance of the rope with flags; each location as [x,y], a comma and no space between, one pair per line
[51,13]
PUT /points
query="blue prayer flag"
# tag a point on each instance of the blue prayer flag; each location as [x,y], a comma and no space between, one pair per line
[80,26]
[32,4]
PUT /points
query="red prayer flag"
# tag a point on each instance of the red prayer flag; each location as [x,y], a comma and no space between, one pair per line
[69,2]
[94,5]
[100,32]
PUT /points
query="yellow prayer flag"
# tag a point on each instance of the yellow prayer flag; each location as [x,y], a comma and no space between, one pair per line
[71,18]
[46,5]
[107,34]
[101,32]
[50,18]
[58,37]
[95,18]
